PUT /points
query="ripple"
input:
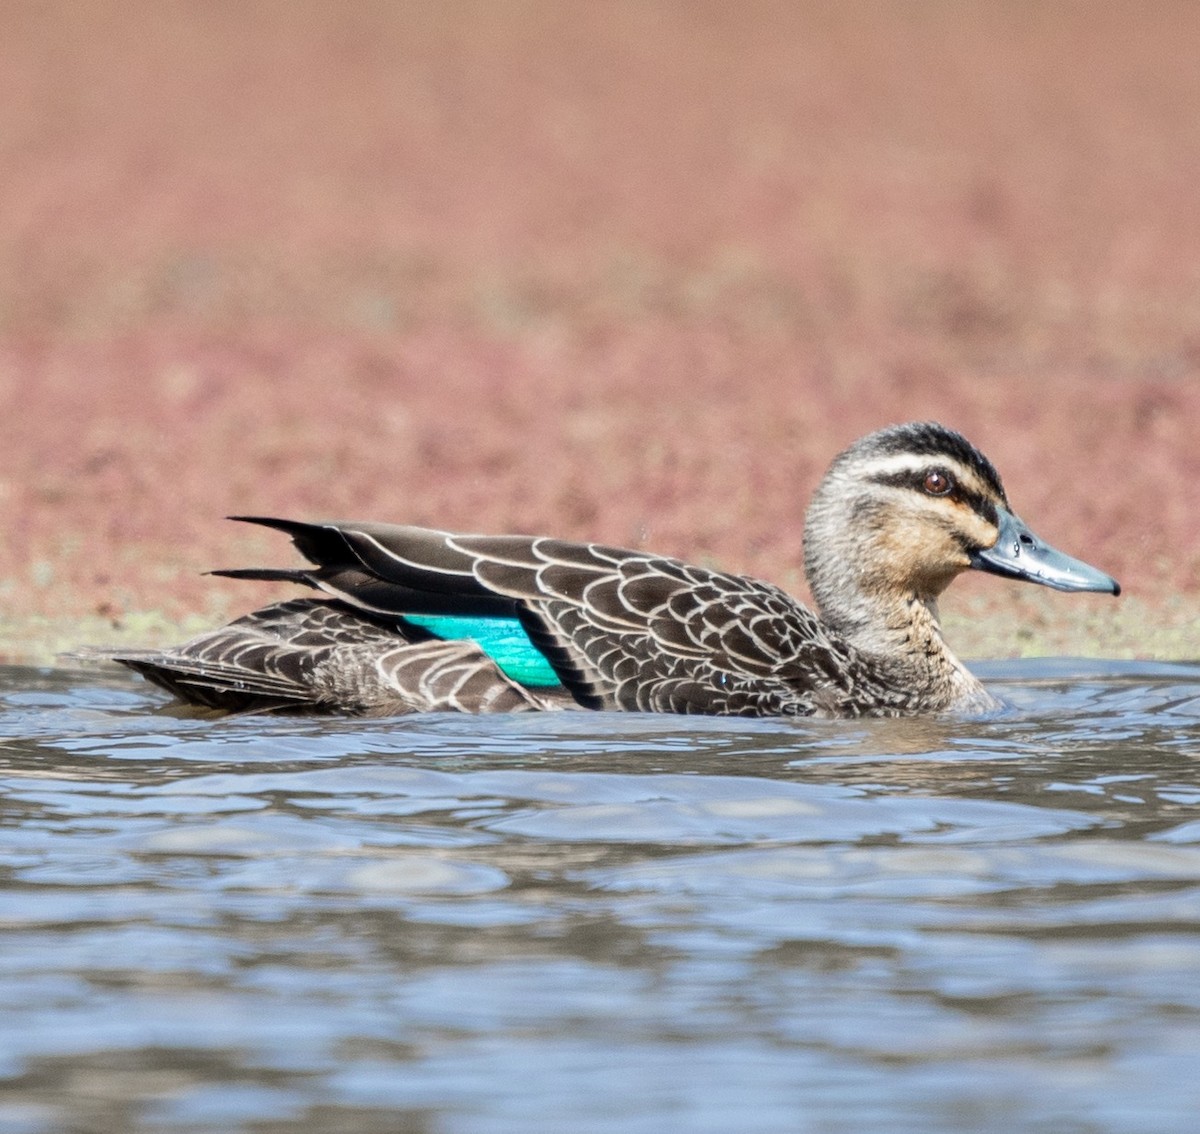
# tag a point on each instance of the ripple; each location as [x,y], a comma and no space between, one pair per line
[425,916]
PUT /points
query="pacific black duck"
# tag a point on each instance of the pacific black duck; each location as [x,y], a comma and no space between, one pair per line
[412,620]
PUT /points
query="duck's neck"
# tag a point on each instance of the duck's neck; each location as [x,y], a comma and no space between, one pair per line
[903,632]
[856,582]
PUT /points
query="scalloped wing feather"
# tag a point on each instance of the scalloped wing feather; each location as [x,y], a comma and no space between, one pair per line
[622,629]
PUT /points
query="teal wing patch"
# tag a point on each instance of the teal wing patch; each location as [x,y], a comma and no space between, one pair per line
[502,639]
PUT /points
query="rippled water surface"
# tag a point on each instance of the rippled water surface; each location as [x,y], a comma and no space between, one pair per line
[602,923]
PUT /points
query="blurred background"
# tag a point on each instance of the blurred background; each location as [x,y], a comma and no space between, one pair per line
[631,271]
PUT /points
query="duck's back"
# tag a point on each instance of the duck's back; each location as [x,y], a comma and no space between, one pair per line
[617,629]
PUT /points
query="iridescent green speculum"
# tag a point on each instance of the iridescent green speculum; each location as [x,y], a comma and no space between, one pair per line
[503,639]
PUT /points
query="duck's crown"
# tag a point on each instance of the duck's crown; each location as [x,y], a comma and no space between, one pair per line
[919,445]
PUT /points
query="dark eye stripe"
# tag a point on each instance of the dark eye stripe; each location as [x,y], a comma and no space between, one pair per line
[915,479]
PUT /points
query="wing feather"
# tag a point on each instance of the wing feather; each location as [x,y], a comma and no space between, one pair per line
[620,628]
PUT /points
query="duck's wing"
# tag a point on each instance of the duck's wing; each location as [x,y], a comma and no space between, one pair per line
[622,629]
[320,656]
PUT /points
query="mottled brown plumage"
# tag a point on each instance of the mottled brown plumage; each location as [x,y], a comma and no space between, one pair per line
[897,517]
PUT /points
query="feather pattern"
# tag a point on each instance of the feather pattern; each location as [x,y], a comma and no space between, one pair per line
[313,655]
[413,619]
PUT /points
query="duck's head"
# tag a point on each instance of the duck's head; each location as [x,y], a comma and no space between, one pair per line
[905,510]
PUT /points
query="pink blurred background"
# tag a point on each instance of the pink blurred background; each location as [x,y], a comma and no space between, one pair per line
[631,271]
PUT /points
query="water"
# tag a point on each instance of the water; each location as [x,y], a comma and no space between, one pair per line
[598,923]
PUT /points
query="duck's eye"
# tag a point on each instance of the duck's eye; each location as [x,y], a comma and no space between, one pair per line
[937,482]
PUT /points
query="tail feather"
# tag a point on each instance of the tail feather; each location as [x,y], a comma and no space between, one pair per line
[231,688]
[266,574]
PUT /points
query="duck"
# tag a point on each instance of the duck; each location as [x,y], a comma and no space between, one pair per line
[410,619]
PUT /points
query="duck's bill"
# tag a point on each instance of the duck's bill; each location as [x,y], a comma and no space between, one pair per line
[1019,554]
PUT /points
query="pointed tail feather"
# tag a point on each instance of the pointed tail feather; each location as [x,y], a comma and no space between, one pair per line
[265,574]
[320,543]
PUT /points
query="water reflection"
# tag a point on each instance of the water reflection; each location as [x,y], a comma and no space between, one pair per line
[602,923]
